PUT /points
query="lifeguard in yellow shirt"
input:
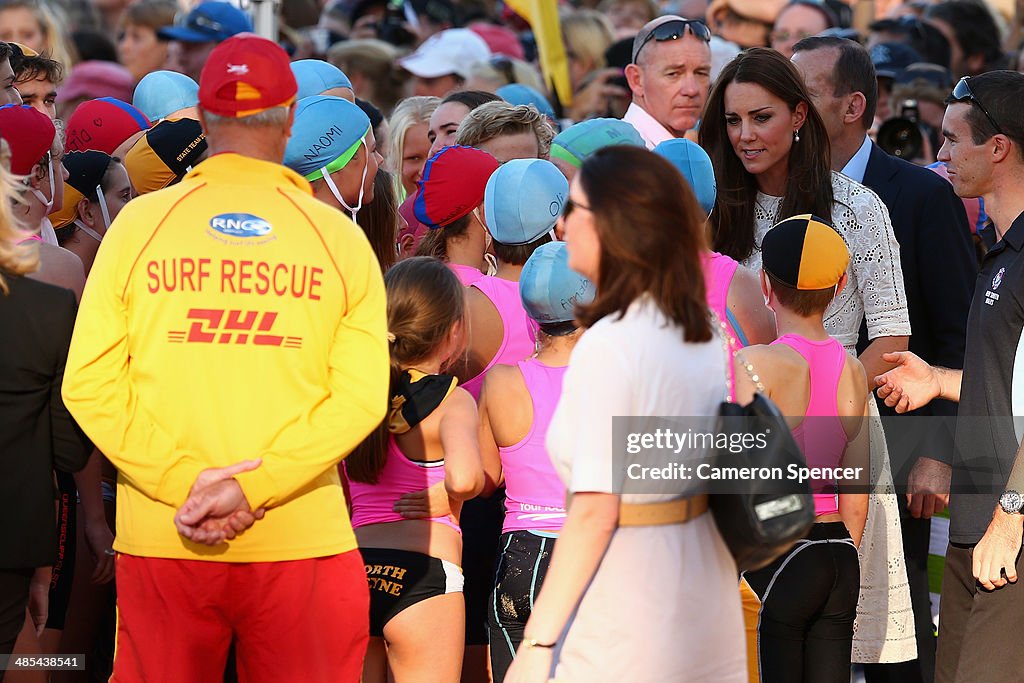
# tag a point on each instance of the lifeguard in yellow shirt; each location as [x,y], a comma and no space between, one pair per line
[230,350]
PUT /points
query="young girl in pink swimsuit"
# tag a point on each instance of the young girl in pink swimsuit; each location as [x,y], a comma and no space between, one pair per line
[809,595]
[516,406]
[430,436]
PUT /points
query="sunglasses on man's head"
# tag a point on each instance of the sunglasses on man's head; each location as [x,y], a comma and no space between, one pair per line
[674,30]
[962,91]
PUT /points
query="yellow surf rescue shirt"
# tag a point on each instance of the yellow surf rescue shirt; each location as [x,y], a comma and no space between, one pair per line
[229,317]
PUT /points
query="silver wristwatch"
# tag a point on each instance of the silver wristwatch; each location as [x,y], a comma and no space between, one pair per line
[1011,502]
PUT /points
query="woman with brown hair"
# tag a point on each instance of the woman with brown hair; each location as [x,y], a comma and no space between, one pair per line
[772,159]
[138,47]
[651,349]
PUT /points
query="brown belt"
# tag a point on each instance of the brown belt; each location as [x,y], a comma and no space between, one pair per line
[658,514]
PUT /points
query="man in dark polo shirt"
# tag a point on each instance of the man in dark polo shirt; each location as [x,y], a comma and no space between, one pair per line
[979,625]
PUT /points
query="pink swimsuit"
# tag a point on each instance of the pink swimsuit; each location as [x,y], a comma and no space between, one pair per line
[467,274]
[519,340]
[821,435]
[534,495]
[372,503]
[718,272]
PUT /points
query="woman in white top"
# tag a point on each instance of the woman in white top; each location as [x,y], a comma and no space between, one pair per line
[772,159]
[627,599]
[771,153]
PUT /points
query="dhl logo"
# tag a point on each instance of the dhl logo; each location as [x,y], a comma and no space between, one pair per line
[218,326]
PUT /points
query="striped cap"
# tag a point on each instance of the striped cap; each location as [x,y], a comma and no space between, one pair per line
[805,252]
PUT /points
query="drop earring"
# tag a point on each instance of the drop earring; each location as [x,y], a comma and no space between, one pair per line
[796,135]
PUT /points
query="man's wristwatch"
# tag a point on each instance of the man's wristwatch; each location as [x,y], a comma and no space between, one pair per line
[1011,502]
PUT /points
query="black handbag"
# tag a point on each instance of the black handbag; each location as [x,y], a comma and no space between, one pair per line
[760,517]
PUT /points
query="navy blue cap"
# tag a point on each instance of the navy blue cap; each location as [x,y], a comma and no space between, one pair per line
[890,59]
[210,22]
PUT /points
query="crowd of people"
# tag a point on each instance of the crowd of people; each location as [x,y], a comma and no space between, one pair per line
[318,345]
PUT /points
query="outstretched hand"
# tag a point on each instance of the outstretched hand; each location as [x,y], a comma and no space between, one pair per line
[908,386]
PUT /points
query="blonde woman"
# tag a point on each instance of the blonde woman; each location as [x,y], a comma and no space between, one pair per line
[409,148]
[39,26]
[371,65]
[39,435]
[501,70]
[587,34]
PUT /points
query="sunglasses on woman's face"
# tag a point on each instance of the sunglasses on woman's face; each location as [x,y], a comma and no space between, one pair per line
[571,206]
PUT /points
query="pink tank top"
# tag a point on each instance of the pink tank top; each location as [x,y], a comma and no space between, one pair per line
[821,435]
[467,274]
[519,340]
[534,494]
[718,272]
[372,503]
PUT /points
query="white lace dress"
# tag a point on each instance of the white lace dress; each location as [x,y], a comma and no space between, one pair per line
[884,629]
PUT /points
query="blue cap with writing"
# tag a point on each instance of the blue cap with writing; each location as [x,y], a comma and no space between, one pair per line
[326,133]
[523,200]
[550,289]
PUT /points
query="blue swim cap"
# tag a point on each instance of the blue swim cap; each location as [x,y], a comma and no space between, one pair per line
[316,76]
[695,165]
[327,133]
[523,200]
[160,93]
[550,290]
[517,93]
[576,143]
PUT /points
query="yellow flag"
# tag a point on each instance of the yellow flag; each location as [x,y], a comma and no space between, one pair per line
[542,15]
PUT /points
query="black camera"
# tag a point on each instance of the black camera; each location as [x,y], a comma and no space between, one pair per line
[902,136]
[392,29]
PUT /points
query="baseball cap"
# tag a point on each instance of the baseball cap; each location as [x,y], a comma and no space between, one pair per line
[208,22]
[805,252]
[103,124]
[315,76]
[92,79]
[453,184]
[890,59]
[576,143]
[326,134]
[85,173]
[932,74]
[523,200]
[500,40]
[549,288]
[695,165]
[28,132]
[160,93]
[517,93]
[165,154]
[453,51]
[244,75]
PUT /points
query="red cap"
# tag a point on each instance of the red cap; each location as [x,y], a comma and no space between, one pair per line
[453,184]
[29,133]
[103,124]
[244,75]
[501,40]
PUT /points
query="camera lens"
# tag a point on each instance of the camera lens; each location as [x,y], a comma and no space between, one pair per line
[901,138]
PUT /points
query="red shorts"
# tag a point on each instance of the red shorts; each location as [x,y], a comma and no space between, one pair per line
[303,620]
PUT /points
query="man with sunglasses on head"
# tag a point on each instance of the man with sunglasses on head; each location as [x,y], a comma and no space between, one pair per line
[984,153]
[670,76]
